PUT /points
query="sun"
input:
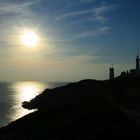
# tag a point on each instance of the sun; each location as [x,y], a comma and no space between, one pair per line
[30,39]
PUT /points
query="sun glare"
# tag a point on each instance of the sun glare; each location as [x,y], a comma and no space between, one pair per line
[23,91]
[30,39]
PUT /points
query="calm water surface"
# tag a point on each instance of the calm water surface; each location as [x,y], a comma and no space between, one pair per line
[13,94]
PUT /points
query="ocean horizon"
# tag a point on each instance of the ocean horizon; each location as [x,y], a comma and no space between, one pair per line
[12,94]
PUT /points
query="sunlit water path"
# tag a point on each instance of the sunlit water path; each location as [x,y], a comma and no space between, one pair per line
[13,94]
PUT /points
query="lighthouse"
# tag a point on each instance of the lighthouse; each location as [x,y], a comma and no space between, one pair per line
[137,65]
[111,72]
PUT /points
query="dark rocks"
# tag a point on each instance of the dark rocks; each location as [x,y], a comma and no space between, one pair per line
[88,109]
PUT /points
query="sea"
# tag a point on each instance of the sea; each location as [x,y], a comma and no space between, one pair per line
[12,94]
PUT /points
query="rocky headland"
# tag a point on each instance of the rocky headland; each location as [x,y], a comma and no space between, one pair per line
[84,110]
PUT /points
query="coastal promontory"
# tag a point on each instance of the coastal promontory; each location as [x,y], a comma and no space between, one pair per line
[84,110]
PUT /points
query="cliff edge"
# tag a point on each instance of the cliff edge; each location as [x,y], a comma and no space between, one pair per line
[83,110]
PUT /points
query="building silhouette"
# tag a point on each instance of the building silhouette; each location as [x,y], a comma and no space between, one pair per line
[133,72]
[129,73]
[137,65]
[111,72]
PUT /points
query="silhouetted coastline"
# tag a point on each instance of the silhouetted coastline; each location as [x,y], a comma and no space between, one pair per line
[83,110]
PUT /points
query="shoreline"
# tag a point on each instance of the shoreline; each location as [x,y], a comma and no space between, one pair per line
[73,110]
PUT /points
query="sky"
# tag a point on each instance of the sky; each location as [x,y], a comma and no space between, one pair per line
[78,39]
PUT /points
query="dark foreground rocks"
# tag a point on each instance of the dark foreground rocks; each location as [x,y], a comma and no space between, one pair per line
[85,110]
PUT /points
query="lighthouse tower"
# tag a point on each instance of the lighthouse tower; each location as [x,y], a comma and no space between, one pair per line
[137,65]
[111,72]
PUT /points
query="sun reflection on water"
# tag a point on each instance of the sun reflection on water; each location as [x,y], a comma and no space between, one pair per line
[24,91]
[28,90]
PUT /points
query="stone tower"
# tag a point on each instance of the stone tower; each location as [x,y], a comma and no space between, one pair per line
[111,72]
[137,65]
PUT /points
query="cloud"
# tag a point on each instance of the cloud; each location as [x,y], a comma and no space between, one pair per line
[76,13]
[96,17]
[97,13]
[100,12]
[13,14]
[16,8]
[94,33]
[103,30]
